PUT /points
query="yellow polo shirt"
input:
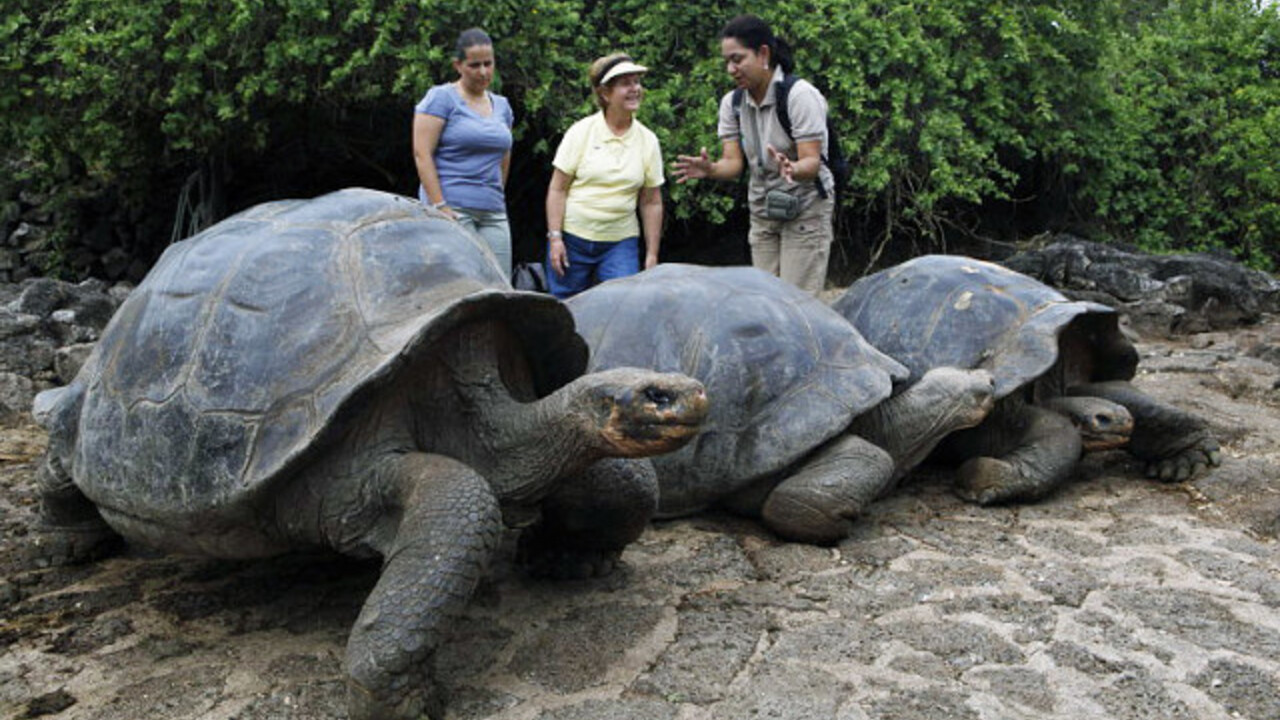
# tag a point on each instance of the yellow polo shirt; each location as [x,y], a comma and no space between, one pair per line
[608,172]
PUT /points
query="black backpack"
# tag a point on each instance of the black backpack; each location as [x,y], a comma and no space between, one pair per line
[835,159]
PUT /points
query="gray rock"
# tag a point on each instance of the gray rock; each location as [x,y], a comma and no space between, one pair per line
[68,360]
[1213,290]
[16,394]
[47,329]
[41,296]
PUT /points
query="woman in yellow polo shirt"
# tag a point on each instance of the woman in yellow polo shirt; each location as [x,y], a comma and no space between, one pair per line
[608,165]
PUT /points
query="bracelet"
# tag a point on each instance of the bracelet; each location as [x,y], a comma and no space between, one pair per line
[554,234]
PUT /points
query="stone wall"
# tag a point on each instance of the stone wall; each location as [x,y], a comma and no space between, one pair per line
[47,329]
[105,238]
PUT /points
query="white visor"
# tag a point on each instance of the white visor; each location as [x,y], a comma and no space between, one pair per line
[626,67]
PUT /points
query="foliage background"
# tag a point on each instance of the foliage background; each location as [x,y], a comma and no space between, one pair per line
[972,124]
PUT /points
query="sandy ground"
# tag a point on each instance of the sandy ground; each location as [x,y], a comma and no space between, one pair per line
[1118,597]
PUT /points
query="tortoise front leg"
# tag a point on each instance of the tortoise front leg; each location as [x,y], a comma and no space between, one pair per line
[817,503]
[1045,447]
[441,528]
[590,518]
[70,529]
[1175,444]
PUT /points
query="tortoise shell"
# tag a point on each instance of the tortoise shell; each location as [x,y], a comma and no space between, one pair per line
[949,310]
[783,372]
[252,342]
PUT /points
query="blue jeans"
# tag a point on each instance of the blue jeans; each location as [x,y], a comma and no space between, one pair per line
[491,225]
[589,259]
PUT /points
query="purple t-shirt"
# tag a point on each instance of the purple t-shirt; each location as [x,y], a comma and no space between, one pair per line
[469,154]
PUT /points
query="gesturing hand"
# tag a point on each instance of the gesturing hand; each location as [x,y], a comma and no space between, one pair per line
[692,167]
[785,166]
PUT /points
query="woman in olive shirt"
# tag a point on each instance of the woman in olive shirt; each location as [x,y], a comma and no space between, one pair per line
[791,191]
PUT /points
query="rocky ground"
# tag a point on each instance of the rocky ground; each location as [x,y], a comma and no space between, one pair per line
[1117,598]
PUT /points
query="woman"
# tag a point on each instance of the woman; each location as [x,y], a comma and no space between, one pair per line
[462,146]
[790,192]
[607,165]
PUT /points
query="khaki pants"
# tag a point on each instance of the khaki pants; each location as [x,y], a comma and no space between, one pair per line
[795,250]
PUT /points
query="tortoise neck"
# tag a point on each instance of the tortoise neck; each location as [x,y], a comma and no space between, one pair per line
[534,443]
[478,405]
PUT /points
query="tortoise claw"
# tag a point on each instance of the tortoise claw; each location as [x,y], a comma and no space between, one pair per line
[1186,463]
[985,481]
[414,697]
[71,544]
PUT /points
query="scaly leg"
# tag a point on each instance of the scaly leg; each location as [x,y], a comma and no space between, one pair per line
[70,529]
[441,529]
[817,503]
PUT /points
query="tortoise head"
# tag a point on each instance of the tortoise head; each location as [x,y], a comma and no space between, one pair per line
[637,413]
[1103,424]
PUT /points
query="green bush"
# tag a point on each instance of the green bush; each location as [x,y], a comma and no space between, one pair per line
[1192,152]
[1152,122]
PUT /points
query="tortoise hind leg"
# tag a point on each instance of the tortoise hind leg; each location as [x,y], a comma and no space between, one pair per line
[829,489]
[1175,444]
[1045,449]
[441,528]
[70,529]
[590,518]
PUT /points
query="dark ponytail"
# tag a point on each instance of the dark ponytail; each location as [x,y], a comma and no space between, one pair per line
[782,53]
[754,33]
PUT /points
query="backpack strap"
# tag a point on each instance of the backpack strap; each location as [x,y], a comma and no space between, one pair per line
[781,96]
[782,100]
[782,103]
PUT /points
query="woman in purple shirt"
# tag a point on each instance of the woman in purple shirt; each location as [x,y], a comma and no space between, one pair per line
[462,146]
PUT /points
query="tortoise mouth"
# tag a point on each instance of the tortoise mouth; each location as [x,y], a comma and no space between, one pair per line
[1101,423]
[654,439]
[1095,441]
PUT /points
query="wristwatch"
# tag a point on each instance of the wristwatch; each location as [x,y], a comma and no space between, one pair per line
[554,235]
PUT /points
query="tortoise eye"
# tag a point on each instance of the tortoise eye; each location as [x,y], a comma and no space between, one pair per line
[659,396]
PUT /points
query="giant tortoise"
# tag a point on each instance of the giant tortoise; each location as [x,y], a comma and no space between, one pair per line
[1061,368]
[350,372]
[805,427]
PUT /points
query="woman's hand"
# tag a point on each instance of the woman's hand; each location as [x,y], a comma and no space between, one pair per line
[692,167]
[786,168]
[558,255]
[557,197]
[806,166]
